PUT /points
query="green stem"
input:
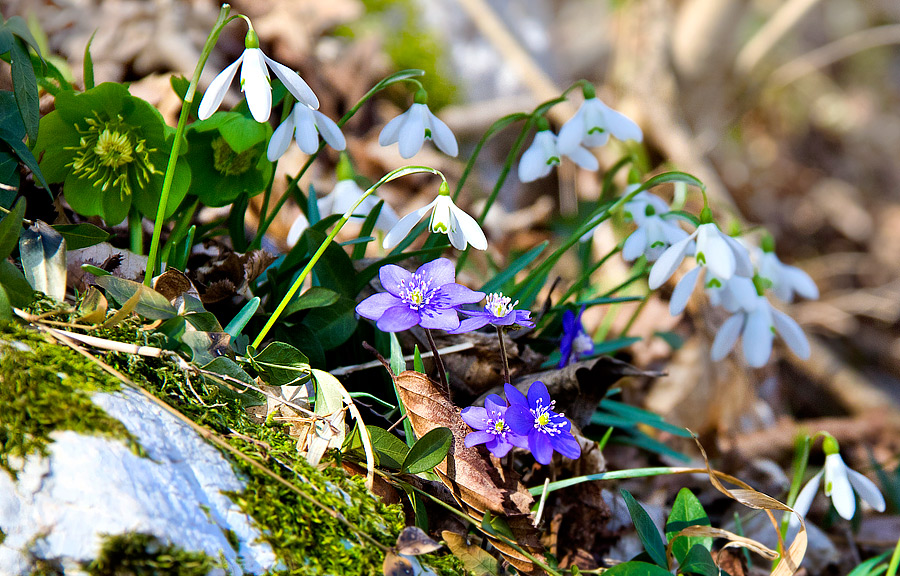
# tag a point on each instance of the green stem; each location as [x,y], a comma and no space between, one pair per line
[179,136]
[401,76]
[895,561]
[182,225]
[585,278]
[801,462]
[394,174]
[135,231]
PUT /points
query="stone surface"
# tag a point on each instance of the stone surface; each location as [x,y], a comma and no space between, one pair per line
[90,486]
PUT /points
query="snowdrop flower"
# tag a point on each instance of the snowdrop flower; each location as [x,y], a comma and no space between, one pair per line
[255,83]
[720,253]
[786,280]
[410,130]
[654,233]
[446,218]
[757,322]
[305,124]
[593,123]
[738,293]
[344,196]
[297,229]
[840,482]
[540,158]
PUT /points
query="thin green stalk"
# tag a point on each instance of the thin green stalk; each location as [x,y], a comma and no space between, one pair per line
[182,225]
[587,275]
[135,231]
[801,462]
[179,136]
[895,561]
[401,76]
[394,174]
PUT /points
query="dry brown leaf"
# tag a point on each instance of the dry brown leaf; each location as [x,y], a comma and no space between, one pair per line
[474,558]
[476,481]
[414,541]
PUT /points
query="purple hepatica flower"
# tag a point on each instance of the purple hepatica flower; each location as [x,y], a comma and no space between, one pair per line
[575,342]
[427,298]
[546,430]
[499,310]
[491,428]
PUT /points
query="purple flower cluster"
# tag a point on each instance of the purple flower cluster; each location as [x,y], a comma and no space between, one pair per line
[431,298]
[527,422]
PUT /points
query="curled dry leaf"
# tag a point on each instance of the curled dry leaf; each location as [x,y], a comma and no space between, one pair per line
[414,541]
[477,483]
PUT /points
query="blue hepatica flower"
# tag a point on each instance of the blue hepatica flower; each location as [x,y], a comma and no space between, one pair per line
[499,310]
[490,427]
[534,418]
[575,343]
[427,298]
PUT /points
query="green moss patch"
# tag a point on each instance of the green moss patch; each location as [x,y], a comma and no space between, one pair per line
[46,387]
[139,554]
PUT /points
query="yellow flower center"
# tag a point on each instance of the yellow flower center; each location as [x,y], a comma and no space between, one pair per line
[543,419]
[113,149]
[228,162]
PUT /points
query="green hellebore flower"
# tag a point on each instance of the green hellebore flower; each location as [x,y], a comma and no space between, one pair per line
[110,149]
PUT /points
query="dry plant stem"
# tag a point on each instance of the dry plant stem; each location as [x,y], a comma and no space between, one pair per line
[218,441]
[442,373]
[398,422]
[503,357]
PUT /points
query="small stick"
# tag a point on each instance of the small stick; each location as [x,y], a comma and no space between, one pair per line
[503,356]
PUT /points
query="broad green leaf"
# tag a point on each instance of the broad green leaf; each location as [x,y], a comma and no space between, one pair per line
[687,511]
[334,324]
[18,290]
[391,450]
[428,451]
[519,264]
[281,364]
[314,297]
[89,64]
[205,346]
[638,415]
[359,251]
[25,87]
[17,26]
[636,569]
[497,525]
[329,398]
[151,305]
[43,254]
[699,561]
[6,312]
[228,367]
[646,529]
[91,269]
[81,235]
[12,131]
[93,306]
[11,228]
[240,319]
[203,321]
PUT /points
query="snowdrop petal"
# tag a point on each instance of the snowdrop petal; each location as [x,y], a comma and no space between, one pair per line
[345,195]
[533,164]
[297,228]
[727,337]
[280,140]
[404,226]
[800,282]
[635,244]
[255,84]
[668,262]
[441,222]
[330,131]
[758,337]
[306,135]
[298,87]
[571,132]
[470,228]
[837,485]
[391,131]
[805,498]
[456,235]
[866,489]
[217,90]
[621,126]
[791,333]
[743,265]
[683,291]
[412,132]
[387,218]
[583,157]
[717,253]
[441,135]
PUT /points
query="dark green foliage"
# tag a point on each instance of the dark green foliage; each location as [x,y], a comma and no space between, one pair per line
[138,554]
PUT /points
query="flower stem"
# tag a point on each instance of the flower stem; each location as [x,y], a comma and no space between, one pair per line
[321,250]
[179,136]
[135,231]
[442,373]
[503,357]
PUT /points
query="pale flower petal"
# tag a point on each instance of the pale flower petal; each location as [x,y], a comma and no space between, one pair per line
[281,139]
[412,133]
[727,337]
[805,498]
[390,134]
[668,262]
[583,158]
[298,87]
[405,225]
[715,250]
[255,84]
[621,126]
[441,135]
[470,228]
[683,291]
[791,333]
[330,131]
[837,486]
[758,336]
[306,135]
[867,490]
[635,244]
[217,89]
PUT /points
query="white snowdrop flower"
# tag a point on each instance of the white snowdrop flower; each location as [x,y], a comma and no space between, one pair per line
[297,229]
[255,83]
[654,233]
[737,293]
[593,123]
[540,158]
[757,322]
[446,218]
[410,130]
[786,280]
[721,254]
[305,124]
[840,482]
[345,195]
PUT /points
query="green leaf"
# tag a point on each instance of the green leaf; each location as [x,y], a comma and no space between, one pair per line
[151,305]
[205,346]
[699,561]
[314,297]
[638,415]
[43,254]
[281,364]
[391,450]
[418,365]
[428,451]
[687,511]
[18,27]
[867,567]
[236,228]
[241,318]
[11,228]
[91,269]
[519,264]
[495,525]
[6,312]
[12,131]
[398,364]
[228,367]
[332,325]
[636,569]
[81,235]
[18,290]
[359,251]
[329,397]
[89,64]
[646,529]
[25,88]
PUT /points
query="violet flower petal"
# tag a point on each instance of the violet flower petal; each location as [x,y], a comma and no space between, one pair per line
[439,319]
[478,437]
[457,294]
[391,276]
[376,305]
[519,419]
[439,271]
[474,416]
[515,396]
[539,444]
[398,319]
[538,391]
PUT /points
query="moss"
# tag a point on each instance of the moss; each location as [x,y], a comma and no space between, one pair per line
[43,388]
[138,554]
